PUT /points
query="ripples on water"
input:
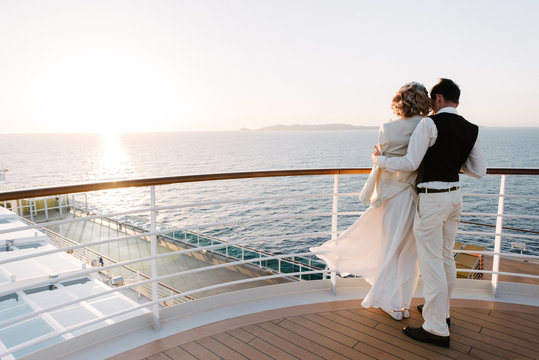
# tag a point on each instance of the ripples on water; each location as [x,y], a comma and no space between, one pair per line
[44,160]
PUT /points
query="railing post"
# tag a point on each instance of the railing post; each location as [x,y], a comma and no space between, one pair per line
[153,252]
[31,210]
[334,217]
[498,238]
[61,218]
[46,208]
[334,226]
[60,206]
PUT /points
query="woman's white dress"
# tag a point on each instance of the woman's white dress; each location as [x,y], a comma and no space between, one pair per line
[380,245]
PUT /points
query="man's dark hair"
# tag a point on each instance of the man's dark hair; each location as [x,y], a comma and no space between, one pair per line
[448,89]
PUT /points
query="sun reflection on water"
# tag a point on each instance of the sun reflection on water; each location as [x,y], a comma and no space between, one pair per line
[115,160]
[113,163]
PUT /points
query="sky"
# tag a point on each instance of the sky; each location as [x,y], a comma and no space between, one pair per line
[222,65]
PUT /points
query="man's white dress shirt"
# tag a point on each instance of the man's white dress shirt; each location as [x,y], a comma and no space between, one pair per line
[424,136]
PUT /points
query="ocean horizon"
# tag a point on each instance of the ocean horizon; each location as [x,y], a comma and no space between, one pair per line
[271,128]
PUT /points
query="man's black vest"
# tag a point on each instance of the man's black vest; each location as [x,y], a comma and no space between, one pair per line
[456,138]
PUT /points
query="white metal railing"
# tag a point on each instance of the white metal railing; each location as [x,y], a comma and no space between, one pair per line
[162,232]
[153,233]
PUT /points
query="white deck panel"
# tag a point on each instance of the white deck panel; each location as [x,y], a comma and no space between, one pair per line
[5,213]
[39,267]
[35,298]
[21,236]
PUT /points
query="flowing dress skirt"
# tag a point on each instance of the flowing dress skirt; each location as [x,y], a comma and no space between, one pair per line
[379,246]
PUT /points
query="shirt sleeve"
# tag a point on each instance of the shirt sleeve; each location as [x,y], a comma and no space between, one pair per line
[475,165]
[422,138]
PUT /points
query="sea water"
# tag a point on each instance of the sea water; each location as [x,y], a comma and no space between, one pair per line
[38,160]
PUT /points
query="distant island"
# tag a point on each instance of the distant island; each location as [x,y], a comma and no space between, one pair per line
[324,127]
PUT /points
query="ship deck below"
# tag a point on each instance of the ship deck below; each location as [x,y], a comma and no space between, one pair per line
[345,330]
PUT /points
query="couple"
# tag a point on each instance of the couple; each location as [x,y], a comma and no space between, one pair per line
[406,223]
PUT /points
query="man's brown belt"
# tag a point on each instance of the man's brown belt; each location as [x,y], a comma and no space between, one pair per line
[427,191]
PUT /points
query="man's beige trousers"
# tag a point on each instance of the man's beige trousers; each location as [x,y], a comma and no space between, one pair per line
[435,227]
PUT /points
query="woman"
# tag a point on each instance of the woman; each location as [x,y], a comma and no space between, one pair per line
[380,245]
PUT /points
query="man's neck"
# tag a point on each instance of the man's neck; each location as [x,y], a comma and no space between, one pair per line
[442,103]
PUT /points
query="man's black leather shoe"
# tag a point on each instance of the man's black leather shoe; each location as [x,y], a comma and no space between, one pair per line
[420,309]
[420,334]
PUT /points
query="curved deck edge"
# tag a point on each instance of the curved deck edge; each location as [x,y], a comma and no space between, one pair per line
[216,313]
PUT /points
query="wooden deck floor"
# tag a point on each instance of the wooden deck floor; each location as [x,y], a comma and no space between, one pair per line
[345,330]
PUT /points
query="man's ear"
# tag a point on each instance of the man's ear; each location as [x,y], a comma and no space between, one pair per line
[440,100]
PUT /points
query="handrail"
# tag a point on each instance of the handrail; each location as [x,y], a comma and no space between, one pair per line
[108,185]
[513,171]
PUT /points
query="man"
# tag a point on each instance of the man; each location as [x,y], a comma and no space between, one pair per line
[444,144]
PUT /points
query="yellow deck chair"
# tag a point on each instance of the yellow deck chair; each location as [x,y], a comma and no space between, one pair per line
[469,261]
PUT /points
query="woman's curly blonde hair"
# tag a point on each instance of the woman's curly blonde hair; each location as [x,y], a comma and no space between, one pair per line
[411,99]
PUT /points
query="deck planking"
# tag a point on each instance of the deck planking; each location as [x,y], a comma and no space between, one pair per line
[345,330]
